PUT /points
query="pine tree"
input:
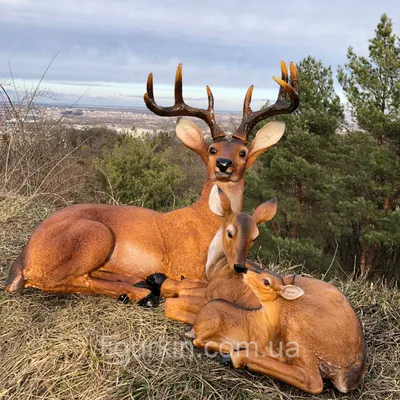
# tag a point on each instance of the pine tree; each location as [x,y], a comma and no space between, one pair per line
[297,172]
[372,86]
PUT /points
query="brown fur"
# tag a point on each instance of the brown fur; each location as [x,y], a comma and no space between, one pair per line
[224,284]
[308,313]
[15,279]
[67,248]
[322,323]
[235,237]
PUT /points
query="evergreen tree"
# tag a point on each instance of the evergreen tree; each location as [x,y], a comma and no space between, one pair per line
[298,173]
[372,86]
[338,190]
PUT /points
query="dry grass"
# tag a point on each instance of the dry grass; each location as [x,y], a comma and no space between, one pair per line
[51,346]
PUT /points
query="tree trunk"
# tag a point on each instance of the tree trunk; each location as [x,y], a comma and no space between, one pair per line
[363,260]
[295,226]
[367,257]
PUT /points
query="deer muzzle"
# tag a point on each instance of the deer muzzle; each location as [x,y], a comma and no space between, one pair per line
[223,164]
[240,268]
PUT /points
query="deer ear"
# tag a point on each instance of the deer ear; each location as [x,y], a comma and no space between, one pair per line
[219,202]
[265,211]
[190,135]
[266,137]
[291,292]
[215,252]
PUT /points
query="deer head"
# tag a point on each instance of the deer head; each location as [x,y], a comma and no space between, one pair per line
[238,231]
[227,159]
[268,286]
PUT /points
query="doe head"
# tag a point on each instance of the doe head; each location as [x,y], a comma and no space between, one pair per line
[238,230]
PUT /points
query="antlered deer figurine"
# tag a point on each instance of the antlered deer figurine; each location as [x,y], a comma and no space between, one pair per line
[111,250]
[222,269]
[304,330]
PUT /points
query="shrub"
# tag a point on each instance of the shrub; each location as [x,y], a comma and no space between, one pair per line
[133,172]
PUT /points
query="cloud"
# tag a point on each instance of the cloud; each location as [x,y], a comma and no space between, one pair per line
[226,44]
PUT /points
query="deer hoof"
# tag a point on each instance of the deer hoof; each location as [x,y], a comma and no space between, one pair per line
[155,281]
[124,299]
[226,360]
[150,301]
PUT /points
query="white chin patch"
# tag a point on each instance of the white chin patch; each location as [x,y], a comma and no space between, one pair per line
[215,251]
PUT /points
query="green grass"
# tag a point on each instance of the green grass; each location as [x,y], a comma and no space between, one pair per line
[51,345]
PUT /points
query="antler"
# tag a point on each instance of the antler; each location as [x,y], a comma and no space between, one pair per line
[180,108]
[251,118]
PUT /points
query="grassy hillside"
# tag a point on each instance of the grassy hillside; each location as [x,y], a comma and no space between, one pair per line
[83,347]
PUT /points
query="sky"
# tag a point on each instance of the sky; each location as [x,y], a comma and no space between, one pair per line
[105,49]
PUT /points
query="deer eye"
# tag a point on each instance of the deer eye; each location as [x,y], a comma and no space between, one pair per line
[266,282]
[230,235]
[213,150]
[242,153]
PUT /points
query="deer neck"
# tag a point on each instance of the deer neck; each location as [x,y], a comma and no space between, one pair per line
[271,311]
[234,190]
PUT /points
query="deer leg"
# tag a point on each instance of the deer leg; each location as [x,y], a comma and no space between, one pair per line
[89,285]
[116,289]
[64,264]
[193,292]
[115,277]
[183,309]
[220,347]
[305,376]
[150,300]
[171,287]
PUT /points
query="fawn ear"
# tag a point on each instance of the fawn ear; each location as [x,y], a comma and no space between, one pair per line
[219,202]
[291,292]
[190,135]
[266,137]
[265,211]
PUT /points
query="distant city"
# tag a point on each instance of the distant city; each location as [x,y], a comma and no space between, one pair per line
[138,120]
[135,120]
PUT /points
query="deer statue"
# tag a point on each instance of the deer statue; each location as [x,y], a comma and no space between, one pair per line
[221,268]
[124,251]
[304,329]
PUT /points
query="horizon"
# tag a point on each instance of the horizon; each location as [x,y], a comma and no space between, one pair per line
[102,56]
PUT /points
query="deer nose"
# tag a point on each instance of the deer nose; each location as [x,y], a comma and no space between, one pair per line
[240,268]
[223,164]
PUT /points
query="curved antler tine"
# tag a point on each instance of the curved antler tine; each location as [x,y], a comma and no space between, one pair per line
[289,90]
[293,76]
[284,71]
[210,99]
[281,106]
[247,100]
[285,78]
[178,85]
[149,86]
[180,109]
